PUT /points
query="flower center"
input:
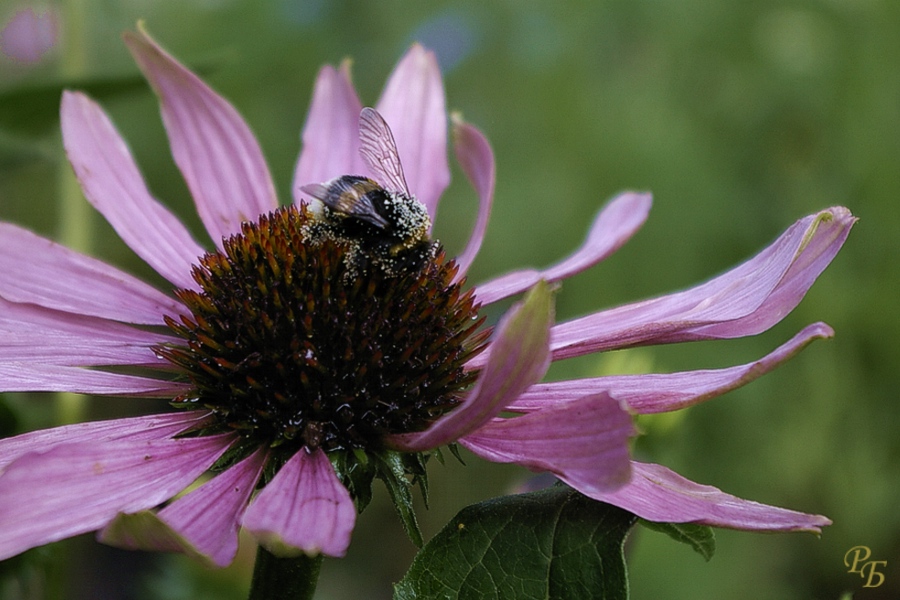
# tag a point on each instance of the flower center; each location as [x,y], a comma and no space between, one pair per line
[292,345]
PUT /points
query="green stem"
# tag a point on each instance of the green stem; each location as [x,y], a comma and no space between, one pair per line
[284,578]
[74,213]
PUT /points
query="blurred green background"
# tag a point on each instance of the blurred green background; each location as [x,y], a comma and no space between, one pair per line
[740,117]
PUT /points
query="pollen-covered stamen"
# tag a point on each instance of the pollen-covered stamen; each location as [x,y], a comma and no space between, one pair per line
[287,349]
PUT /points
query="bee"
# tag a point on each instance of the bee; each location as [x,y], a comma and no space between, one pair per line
[384,227]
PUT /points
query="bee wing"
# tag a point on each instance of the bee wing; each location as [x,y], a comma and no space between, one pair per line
[379,151]
[344,197]
[316,190]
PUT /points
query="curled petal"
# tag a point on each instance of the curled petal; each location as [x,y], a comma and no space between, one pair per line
[519,358]
[220,159]
[584,443]
[617,222]
[304,509]
[204,522]
[113,184]
[331,133]
[664,392]
[744,301]
[75,488]
[136,429]
[39,271]
[477,161]
[27,377]
[413,105]
[658,494]
[614,225]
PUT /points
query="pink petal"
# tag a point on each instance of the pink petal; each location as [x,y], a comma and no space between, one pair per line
[657,392]
[304,509]
[657,494]
[519,358]
[331,133]
[209,517]
[204,522]
[477,161]
[75,488]
[413,105]
[135,429]
[744,301]
[113,184]
[74,352]
[220,159]
[37,334]
[27,377]
[506,285]
[39,271]
[584,443]
[616,223]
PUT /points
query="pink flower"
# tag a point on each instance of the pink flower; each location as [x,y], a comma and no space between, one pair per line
[408,368]
[29,35]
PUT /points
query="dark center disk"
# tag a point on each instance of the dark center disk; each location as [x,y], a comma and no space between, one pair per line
[287,348]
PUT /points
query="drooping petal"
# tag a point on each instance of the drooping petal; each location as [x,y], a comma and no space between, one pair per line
[114,186]
[75,488]
[209,517]
[658,494]
[664,392]
[39,271]
[584,443]
[42,335]
[477,161]
[220,159]
[413,105]
[304,509]
[744,301]
[519,358]
[29,377]
[135,429]
[204,522]
[614,225]
[331,134]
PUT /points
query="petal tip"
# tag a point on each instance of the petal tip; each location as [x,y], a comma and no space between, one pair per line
[821,330]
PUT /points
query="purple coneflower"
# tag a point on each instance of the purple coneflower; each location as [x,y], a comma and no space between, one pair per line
[301,368]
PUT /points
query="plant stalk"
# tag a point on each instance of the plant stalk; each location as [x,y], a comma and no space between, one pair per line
[293,578]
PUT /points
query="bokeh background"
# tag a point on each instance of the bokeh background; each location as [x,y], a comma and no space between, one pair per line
[740,117]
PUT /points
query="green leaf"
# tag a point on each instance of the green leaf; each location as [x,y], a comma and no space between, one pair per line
[357,473]
[554,543]
[393,472]
[400,472]
[414,464]
[699,537]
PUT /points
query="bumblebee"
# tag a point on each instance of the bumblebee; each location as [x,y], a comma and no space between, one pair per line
[384,228]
